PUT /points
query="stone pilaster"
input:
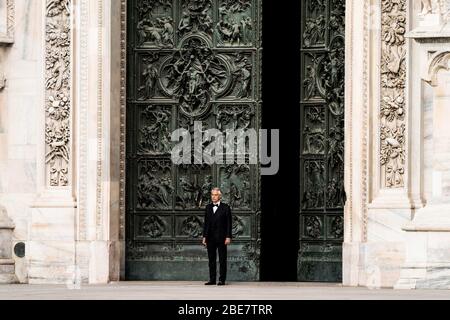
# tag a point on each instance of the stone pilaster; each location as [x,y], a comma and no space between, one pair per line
[53,219]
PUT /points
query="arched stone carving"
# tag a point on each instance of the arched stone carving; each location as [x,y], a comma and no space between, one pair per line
[439,61]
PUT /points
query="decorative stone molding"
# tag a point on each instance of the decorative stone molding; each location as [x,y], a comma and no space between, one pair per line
[357,131]
[100,162]
[8,37]
[393,125]
[58,92]
[123,83]
[83,115]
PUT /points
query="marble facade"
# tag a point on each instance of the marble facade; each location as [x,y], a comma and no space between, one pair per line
[69,211]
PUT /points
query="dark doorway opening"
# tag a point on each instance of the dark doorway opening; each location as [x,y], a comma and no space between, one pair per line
[281,95]
[303,96]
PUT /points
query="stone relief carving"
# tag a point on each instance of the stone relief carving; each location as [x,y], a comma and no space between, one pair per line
[440,8]
[393,78]
[426,7]
[7,13]
[433,6]
[57,95]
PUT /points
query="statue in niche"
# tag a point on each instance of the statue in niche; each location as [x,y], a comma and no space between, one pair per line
[427,7]
[434,7]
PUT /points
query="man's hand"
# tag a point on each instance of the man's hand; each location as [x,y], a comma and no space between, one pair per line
[227,241]
[204,242]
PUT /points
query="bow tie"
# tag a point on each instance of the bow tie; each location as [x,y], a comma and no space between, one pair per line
[215,205]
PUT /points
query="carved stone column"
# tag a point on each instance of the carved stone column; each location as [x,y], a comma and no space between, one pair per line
[392,159]
[7,270]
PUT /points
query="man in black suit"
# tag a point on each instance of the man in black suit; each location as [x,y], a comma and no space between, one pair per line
[217,234]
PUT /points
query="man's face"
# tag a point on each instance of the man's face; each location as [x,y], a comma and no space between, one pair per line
[215,196]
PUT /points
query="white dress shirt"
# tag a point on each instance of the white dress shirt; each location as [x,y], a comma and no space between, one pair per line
[215,208]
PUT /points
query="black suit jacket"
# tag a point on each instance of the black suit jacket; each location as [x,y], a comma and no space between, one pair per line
[219,225]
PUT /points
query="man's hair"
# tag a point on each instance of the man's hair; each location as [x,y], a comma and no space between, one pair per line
[217,189]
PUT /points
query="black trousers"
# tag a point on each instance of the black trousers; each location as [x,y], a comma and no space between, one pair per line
[215,246]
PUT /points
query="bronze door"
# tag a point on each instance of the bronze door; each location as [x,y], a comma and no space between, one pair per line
[322,192]
[189,61]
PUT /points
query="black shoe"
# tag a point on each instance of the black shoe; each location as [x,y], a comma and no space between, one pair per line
[221,283]
[210,283]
